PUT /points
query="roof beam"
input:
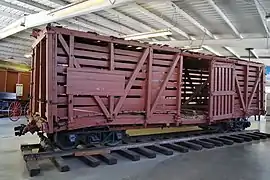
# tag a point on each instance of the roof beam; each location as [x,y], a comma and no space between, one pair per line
[69,11]
[14,6]
[60,2]
[256,43]
[198,25]
[232,52]
[15,60]
[138,24]
[9,15]
[254,53]
[82,23]
[12,54]
[262,15]
[162,21]
[23,36]
[210,49]
[35,4]
[135,24]
[15,40]
[225,18]
[93,27]
[193,21]
[15,45]
[11,50]
[111,25]
[10,47]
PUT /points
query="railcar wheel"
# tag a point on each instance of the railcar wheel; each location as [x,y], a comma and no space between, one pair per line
[15,111]
[113,138]
[66,141]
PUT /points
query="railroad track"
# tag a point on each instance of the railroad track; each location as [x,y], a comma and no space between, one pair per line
[134,148]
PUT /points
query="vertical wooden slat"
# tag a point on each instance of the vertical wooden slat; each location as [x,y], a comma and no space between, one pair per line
[263,88]
[31,82]
[222,78]
[49,52]
[227,82]
[42,84]
[233,74]
[149,84]
[111,98]
[215,88]
[230,81]
[36,71]
[229,85]
[71,64]
[179,86]
[225,103]
[222,89]
[218,78]
[212,84]
[51,84]
[225,89]
[185,88]
[54,78]
[246,86]
[259,93]
[71,51]
[226,79]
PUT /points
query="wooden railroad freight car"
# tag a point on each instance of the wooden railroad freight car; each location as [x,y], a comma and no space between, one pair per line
[88,87]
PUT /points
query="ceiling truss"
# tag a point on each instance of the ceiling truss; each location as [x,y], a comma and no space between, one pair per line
[86,21]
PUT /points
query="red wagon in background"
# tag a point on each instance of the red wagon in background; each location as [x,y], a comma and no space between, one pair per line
[91,88]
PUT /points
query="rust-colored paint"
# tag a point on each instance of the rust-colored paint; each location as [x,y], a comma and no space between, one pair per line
[9,79]
[12,79]
[94,80]
[3,81]
[25,80]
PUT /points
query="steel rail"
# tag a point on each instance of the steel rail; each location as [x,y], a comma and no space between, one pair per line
[103,150]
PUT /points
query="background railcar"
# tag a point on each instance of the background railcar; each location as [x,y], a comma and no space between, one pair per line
[81,80]
[14,93]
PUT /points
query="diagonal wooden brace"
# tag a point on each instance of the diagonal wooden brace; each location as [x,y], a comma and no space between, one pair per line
[197,90]
[103,107]
[131,81]
[254,89]
[175,61]
[69,49]
[240,93]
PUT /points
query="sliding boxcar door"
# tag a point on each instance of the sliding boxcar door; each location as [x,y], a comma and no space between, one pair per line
[222,91]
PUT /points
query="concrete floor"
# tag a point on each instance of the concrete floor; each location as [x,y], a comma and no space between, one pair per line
[247,161]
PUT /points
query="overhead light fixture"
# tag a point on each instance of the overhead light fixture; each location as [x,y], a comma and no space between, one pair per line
[28,55]
[163,32]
